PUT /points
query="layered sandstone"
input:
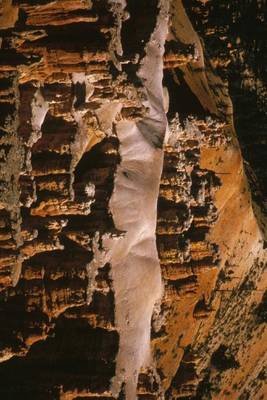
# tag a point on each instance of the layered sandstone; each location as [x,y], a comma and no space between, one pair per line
[132,201]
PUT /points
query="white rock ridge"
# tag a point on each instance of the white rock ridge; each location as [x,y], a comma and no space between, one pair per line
[135,265]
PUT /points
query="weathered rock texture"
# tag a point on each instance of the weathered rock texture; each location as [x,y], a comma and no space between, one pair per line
[133,199]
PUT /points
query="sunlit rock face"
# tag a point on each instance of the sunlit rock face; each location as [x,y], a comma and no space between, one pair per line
[132,200]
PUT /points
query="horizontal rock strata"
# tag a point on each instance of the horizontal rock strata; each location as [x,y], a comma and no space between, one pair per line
[132,200]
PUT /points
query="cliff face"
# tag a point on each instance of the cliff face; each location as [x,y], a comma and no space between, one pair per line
[132,200]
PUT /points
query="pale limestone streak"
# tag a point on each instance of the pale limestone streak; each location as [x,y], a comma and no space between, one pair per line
[135,265]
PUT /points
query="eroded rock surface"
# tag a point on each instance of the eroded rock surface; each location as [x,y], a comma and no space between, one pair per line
[132,200]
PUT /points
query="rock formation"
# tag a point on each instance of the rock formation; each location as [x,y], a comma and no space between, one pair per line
[133,199]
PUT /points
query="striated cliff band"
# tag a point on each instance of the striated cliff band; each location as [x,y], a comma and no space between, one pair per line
[133,199]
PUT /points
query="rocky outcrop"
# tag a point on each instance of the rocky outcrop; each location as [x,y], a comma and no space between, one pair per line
[132,226]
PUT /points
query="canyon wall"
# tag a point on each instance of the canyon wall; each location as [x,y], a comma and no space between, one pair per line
[133,199]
